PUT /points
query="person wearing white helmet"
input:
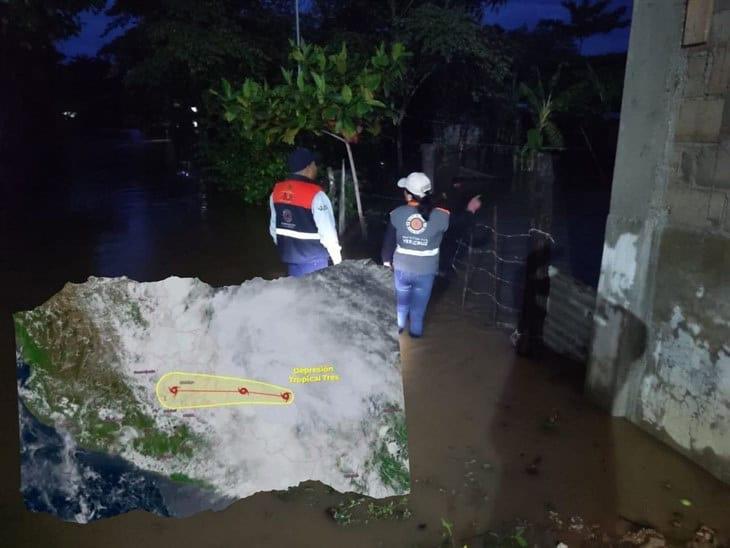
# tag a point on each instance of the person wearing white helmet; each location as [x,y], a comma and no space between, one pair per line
[411,248]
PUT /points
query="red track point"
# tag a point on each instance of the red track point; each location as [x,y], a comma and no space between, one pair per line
[243,391]
[173,390]
[285,396]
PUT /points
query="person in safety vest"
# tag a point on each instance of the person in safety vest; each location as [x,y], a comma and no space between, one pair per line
[411,246]
[302,222]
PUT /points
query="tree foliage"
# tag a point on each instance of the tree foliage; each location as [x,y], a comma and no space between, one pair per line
[175,50]
[321,90]
[590,17]
[544,101]
[447,39]
[39,23]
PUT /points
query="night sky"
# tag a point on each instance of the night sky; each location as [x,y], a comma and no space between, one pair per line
[514,14]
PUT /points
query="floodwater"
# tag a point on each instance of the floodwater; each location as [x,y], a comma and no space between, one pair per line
[495,440]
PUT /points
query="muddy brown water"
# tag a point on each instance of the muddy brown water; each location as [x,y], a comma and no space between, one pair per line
[484,452]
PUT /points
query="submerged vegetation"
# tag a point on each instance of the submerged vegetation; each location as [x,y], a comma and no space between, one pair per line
[354,510]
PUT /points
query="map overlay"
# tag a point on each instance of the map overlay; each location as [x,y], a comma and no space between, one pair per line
[176,397]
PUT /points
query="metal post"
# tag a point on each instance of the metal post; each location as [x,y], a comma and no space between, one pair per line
[331,181]
[495,285]
[363,227]
[341,212]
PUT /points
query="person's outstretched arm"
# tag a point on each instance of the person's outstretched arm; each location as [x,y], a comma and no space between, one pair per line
[462,220]
[324,218]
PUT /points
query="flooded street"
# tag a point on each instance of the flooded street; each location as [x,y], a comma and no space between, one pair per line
[495,440]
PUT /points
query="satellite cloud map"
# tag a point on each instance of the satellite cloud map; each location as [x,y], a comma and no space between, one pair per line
[176,397]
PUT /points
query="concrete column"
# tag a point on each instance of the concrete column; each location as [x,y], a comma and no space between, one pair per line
[661,352]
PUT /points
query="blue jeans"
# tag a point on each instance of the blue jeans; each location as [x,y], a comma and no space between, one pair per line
[412,293]
[297,270]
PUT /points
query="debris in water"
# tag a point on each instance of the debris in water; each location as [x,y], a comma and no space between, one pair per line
[555,520]
[646,538]
[576,524]
[704,538]
[686,502]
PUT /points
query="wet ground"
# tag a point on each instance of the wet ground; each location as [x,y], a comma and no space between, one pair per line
[497,443]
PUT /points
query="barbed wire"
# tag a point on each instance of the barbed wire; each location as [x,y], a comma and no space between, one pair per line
[478,251]
[527,234]
[483,269]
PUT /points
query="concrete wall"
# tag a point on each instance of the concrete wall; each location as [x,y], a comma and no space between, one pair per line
[660,354]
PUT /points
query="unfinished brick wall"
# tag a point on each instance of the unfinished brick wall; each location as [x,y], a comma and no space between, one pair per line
[699,181]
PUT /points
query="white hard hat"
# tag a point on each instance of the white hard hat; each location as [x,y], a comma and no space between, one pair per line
[416,183]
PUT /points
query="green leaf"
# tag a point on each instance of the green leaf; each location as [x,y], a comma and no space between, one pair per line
[226,89]
[319,82]
[346,94]
[361,109]
[289,135]
[398,50]
[229,115]
[321,60]
[248,88]
[519,539]
[287,76]
[380,59]
[375,103]
[348,128]
[372,81]
[300,81]
[331,112]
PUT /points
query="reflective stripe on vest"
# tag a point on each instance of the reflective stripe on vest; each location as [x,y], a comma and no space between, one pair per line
[417,252]
[297,235]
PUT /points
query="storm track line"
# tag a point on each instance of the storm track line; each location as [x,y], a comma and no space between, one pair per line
[180,390]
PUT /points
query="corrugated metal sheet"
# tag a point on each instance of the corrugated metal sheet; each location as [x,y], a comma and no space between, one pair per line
[568,325]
